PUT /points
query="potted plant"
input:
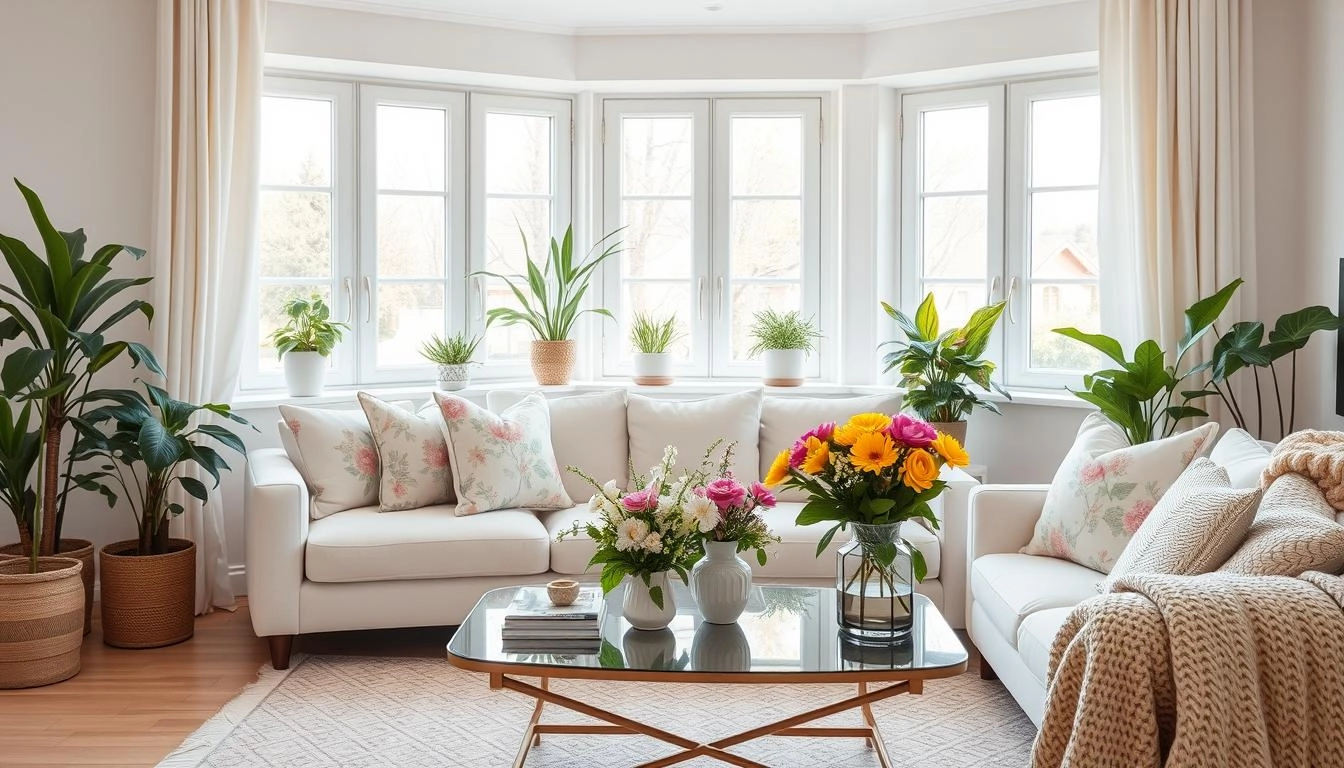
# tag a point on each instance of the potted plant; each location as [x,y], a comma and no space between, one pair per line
[783,340]
[149,583]
[304,342]
[549,298]
[938,368]
[453,358]
[651,337]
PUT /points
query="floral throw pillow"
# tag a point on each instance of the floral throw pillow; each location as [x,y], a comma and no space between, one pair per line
[501,461]
[340,463]
[412,456]
[1105,488]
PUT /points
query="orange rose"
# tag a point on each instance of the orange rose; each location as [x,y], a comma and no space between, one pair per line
[919,470]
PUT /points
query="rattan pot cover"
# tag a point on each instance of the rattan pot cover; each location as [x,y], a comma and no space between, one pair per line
[148,601]
[41,621]
[78,549]
[553,361]
[956,429]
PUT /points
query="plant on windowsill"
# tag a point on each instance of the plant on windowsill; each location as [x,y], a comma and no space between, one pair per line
[549,298]
[452,355]
[305,342]
[938,368]
[783,340]
[652,337]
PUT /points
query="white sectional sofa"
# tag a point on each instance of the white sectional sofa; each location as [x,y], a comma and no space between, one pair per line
[1017,603]
[365,569]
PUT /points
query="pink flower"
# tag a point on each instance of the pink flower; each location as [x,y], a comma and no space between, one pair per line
[798,453]
[763,495]
[1093,472]
[726,492]
[453,408]
[366,461]
[506,431]
[436,454]
[1058,545]
[294,425]
[822,432]
[399,489]
[1117,465]
[1137,514]
[640,501]
[913,432]
[476,456]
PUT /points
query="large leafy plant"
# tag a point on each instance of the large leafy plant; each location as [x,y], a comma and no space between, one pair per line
[938,367]
[549,296]
[58,314]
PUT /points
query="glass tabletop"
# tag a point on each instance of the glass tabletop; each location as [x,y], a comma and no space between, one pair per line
[787,630]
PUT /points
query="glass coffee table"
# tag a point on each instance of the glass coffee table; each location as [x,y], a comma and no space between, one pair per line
[788,635]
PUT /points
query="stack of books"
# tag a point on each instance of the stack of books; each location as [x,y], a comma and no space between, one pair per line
[535,625]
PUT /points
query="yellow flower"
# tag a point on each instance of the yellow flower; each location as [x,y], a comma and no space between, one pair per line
[919,470]
[861,424]
[779,470]
[873,452]
[818,456]
[951,451]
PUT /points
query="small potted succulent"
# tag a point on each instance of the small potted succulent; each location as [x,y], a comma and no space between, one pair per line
[305,341]
[652,336]
[452,355]
[783,340]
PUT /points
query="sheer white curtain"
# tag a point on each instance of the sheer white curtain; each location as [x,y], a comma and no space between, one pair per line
[207,135]
[1177,173]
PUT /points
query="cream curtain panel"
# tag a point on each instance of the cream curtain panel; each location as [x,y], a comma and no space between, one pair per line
[207,135]
[1177,217]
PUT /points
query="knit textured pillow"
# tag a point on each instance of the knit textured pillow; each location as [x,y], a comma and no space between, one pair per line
[1105,488]
[412,456]
[1294,532]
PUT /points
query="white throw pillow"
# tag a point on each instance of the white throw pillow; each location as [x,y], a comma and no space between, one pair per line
[785,419]
[1244,457]
[1294,532]
[692,425]
[1197,525]
[588,431]
[1105,488]
[339,462]
[501,461]
[412,456]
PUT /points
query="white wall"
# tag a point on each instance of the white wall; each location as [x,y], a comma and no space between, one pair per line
[77,77]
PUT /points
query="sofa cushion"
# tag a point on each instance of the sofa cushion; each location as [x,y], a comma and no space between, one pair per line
[1036,636]
[570,556]
[1294,532]
[1011,587]
[340,464]
[412,455]
[587,431]
[784,419]
[426,543]
[1242,456]
[692,426]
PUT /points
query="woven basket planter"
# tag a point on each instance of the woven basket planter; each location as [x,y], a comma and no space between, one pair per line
[78,549]
[553,361]
[148,601]
[956,429]
[41,621]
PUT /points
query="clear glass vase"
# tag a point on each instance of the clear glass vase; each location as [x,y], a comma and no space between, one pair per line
[874,583]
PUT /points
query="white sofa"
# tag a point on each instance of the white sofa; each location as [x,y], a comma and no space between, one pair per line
[1017,603]
[365,569]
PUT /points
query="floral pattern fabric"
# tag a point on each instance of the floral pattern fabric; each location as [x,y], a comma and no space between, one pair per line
[412,456]
[501,461]
[1105,488]
[340,463]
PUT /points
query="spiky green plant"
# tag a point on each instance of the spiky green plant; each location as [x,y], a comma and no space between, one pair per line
[456,349]
[652,334]
[782,330]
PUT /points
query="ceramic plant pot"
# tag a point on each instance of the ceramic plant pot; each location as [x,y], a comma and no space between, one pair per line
[784,367]
[653,369]
[305,373]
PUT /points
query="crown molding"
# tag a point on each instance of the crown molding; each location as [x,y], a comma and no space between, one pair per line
[393,8]
[1004,6]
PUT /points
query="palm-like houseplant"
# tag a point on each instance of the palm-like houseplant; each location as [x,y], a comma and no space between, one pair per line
[550,298]
[305,341]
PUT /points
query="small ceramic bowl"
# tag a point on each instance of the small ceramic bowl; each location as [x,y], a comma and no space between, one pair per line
[563,591]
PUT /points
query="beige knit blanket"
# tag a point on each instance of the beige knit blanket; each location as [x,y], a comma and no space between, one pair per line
[1254,665]
[1315,454]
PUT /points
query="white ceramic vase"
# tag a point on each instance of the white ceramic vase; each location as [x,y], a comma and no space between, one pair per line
[305,373]
[784,367]
[653,368]
[638,606]
[454,377]
[721,583]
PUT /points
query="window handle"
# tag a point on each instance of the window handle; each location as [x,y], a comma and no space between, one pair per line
[993,289]
[480,298]
[368,298]
[700,298]
[1012,291]
[718,296]
[349,289]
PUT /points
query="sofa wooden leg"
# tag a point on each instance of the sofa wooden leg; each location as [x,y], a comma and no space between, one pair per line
[987,672]
[280,645]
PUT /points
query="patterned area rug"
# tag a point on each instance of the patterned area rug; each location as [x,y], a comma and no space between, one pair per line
[413,713]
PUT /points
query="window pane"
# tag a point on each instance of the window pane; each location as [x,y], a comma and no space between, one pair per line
[657,156]
[658,299]
[1066,141]
[517,154]
[407,314]
[410,148]
[1064,306]
[505,342]
[749,299]
[657,238]
[504,245]
[1064,234]
[767,238]
[271,315]
[956,149]
[410,236]
[767,155]
[956,236]
[295,234]
[955,302]
[295,141]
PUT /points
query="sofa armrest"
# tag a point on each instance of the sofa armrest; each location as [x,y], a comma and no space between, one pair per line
[1003,517]
[952,520]
[276,523]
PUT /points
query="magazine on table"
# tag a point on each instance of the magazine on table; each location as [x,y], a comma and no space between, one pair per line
[532,604]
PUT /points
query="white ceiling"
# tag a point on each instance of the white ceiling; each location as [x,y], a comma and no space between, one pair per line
[648,16]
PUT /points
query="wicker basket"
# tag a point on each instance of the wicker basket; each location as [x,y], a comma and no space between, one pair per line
[553,361]
[41,621]
[78,549]
[148,601]
[956,429]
